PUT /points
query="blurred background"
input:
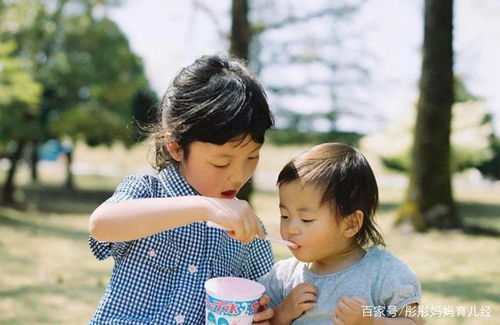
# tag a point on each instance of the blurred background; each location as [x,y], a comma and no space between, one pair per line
[76,76]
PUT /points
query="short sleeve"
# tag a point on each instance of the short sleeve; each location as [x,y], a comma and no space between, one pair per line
[130,187]
[274,287]
[400,287]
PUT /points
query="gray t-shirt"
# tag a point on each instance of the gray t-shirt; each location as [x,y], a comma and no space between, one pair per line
[379,277]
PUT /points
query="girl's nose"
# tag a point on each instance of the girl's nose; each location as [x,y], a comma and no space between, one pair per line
[237,176]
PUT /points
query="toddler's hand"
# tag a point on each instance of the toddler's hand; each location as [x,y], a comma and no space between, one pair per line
[236,216]
[301,299]
[349,311]
[264,314]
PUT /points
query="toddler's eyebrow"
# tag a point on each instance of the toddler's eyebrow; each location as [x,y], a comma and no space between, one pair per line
[303,209]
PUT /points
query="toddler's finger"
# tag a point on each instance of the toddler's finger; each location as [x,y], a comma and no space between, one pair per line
[264,300]
[360,301]
[305,306]
[308,297]
[307,287]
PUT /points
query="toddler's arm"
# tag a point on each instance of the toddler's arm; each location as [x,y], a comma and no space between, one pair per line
[138,218]
[300,299]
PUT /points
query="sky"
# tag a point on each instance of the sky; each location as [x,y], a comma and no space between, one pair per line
[170,34]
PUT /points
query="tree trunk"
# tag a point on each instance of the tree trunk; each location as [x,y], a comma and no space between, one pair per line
[34,161]
[9,186]
[241,37]
[69,184]
[241,32]
[429,201]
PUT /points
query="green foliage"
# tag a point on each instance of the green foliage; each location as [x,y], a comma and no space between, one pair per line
[19,97]
[491,167]
[470,139]
[88,73]
[295,137]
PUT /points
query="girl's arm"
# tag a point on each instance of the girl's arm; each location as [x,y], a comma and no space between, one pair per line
[138,218]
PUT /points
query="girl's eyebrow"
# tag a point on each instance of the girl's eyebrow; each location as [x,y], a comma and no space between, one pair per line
[225,155]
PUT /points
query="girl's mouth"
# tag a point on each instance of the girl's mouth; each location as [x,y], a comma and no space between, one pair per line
[229,194]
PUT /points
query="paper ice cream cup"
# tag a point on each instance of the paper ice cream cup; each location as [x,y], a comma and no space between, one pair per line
[232,301]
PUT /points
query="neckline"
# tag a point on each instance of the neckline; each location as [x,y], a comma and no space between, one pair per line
[370,251]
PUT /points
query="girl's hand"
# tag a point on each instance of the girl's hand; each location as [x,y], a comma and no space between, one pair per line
[301,299]
[236,216]
[265,313]
[349,311]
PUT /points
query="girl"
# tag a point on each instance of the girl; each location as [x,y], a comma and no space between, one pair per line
[328,197]
[212,125]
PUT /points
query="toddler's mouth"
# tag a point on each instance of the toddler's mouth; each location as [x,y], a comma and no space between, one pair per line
[294,248]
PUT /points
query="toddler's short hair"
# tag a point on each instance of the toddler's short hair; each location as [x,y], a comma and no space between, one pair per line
[347,181]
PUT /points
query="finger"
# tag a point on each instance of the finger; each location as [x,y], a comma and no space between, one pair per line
[343,309]
[264,300]
[350,303]
[307,287]
[305,306]
[308,297]
[361,302]
[249,231]
[263,315]
[337,320]
[258,227]
[354,304]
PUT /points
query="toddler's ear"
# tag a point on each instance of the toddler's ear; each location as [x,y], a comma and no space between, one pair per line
[173,148]
[353,223]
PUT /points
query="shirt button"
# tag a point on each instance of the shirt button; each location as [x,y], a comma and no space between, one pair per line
[152,253]
[179,319]
[192,269]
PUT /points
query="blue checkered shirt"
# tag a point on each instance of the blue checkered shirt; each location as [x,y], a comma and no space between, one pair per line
[159,279]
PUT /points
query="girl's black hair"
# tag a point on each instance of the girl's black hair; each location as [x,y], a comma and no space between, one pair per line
[215,100]
[347,181]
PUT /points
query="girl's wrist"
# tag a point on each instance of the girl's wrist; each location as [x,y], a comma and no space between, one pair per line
[202,209]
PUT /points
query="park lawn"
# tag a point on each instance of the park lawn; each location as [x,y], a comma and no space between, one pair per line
[48,275]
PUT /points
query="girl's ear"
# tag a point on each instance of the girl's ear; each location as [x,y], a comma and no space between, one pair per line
[353,223]
[173,148]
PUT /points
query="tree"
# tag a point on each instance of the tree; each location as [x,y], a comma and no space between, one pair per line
[89,75]
[19,99]
[248,42]
[241,38]
[429,201]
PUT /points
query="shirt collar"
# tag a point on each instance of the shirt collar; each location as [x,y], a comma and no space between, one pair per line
[174,183]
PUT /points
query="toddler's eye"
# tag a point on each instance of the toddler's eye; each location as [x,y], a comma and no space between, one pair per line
[284,217]
[221,167]
[307,220]
[254,158]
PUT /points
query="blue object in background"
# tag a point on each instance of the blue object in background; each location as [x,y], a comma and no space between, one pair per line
[52,149]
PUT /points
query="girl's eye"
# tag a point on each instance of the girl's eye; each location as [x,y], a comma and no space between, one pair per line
[284,217]
[307,220]
[253,158]
[221,167]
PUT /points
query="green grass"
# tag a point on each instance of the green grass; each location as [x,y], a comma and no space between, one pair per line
[48,275]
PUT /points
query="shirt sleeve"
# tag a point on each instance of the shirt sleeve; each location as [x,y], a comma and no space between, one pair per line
[274,287]
[130,188]
[400,287]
